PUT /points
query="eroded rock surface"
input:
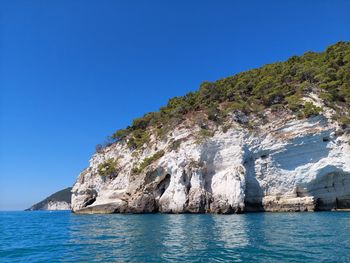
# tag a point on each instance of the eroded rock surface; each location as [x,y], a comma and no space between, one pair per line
[284,164]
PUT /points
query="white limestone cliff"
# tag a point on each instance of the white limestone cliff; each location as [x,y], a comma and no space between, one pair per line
[284,164]
[58,205]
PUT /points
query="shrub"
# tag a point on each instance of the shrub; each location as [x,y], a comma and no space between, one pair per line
[226,127]
[294,103]
[120,134]
[108,168]
[147,161]
[138,139]
[344,120]
[175,145]
[205,133]
[99,148]
[310,110]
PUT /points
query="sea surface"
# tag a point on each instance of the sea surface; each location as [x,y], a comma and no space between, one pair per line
[256,237]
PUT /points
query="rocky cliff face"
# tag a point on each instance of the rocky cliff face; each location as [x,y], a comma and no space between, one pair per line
[283,164]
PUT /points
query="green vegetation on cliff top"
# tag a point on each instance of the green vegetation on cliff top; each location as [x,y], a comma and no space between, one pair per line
[278,85]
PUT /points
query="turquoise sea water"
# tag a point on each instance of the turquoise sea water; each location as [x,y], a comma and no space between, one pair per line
[256,237]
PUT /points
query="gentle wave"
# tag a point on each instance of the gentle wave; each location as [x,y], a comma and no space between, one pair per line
[257,237]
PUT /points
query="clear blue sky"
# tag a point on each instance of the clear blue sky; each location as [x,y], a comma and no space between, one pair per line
[72,72]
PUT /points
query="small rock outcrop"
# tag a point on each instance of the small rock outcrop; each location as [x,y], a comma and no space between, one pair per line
[60,200]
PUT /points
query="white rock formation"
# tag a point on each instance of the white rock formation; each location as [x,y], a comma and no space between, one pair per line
[60,200]
[284,165]
[58,205]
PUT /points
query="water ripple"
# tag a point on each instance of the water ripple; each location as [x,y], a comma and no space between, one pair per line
[260,237]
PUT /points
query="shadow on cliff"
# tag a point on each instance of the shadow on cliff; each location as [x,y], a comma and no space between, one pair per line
[330,188]
[253,192]
[208,155]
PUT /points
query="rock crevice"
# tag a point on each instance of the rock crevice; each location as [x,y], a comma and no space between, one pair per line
[285,165]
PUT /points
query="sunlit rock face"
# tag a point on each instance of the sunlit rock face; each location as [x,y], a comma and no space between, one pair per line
[285,164]
[52,205]
[300,166]
[58,205]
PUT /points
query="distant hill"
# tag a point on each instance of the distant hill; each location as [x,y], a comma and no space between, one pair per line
[60,200]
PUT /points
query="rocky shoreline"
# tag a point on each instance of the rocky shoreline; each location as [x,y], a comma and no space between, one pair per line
[275,138]
[60,200]
[287,165]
